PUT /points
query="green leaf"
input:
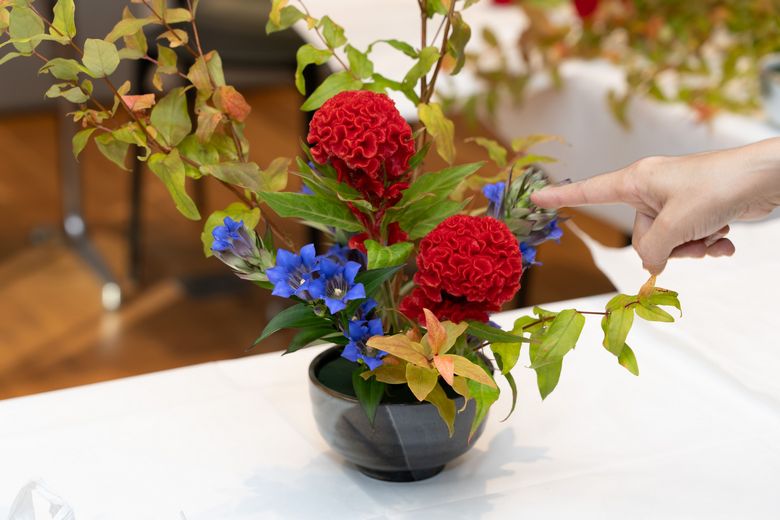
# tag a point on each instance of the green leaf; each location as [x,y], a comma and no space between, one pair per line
[618,325]
[308,55]
[177,15]
[484,396]
[275,176]
[100,57]
[509,353]
[444,405]
[170,170]
[63,68]
[359,63]
[527,160]
[437,185]
[559,338]
[419,220]
[113,149]
[496,152]
[663,297]
[373,279]
[167,59]
[440,128]
[628,360]
[398,45]
[282,17]
[651,312]
[80,140]
[619,301]
[236,211]
[427,58]
[547,376]
[312,208]
[421,380]
[170,117]
[387,256]
[128,27]
[298,316]
[64,18]
[203,154]
[369,393]
[332,32]
[522,144]
[513,386]
[381,84]
[307,337]
[335,83]
[24,24]
[490,334]
[9,56]
[245,175]
[459,38]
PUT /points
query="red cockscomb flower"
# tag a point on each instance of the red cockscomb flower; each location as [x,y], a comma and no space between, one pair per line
[467,268]
[364,137]
[585,8]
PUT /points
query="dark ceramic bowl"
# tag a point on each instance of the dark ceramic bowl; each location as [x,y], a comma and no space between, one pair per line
[408,440]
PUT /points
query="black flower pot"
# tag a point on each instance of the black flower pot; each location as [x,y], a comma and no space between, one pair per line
[408,440]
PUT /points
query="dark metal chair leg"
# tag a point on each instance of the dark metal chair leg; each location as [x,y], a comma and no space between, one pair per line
[73,218]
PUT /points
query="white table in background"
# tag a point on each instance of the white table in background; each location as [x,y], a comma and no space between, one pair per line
[236,440]
[577,112]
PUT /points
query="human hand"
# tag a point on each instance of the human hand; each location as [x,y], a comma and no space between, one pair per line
[684,204]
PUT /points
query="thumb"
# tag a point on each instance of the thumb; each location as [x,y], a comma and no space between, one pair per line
[655,245]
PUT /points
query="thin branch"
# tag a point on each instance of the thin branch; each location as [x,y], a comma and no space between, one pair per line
[325,42]
[149,6]
[444,41]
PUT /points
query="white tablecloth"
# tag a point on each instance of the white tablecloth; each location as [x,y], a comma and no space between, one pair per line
[236,440]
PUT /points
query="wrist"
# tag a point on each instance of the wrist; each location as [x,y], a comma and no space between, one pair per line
[762,168]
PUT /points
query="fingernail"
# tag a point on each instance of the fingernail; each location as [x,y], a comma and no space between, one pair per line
[564,182]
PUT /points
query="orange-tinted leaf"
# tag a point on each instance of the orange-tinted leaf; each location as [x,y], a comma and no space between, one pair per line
[231,102]
[394,374]
[469,370]
[139,103]
[446,367]
[436,335]
[399,346]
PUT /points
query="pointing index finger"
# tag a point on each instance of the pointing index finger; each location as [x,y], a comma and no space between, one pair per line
[601,189]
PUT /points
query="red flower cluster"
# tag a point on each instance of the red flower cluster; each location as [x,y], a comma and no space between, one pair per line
[467,267]
[366,140]
[585,8]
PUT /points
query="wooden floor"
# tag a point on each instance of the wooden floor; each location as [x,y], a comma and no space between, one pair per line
[186,309]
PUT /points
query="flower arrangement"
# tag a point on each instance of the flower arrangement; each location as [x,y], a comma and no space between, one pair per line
[705,54]
[412,274]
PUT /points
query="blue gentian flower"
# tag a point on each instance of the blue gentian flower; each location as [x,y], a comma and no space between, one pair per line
[232,237]
[495,194]
[292,274]
[366,307]
[529,255]
[358,333]
[336,284]
[554,232]
[306,190]
[339,253]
